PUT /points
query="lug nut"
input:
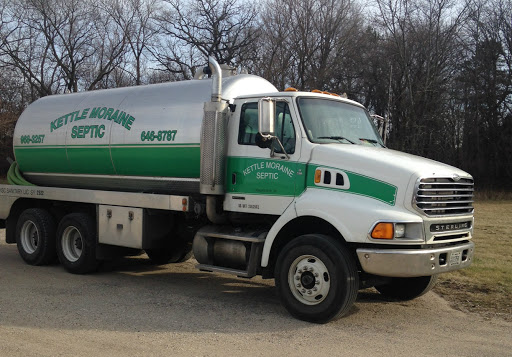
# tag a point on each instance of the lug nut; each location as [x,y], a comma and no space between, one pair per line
[298,285]
[315,289]
[317,282]
[303,290]
[316,275]
[309,292]
[297,277]
[299,271]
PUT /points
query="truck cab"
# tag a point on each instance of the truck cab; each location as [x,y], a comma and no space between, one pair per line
[325,173]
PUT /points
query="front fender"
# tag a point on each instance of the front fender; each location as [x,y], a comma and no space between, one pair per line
[352,215]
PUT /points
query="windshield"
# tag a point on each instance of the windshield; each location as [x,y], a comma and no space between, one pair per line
[327,121]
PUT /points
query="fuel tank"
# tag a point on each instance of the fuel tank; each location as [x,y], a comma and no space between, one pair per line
[143,138]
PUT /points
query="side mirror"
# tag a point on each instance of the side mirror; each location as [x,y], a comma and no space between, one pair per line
[266,117]
[382,126]
[263,143]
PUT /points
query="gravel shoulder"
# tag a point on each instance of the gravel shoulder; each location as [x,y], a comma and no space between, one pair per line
[133,308]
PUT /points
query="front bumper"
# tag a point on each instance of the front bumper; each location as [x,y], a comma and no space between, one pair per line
[405,263]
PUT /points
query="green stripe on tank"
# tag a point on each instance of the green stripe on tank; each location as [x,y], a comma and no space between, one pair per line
[157,161]
[359,185]
[175,160]
[47,159]
[90,160]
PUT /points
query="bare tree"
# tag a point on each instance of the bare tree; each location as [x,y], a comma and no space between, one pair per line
[306,43]
[194,30]
[109,43]
[422,48]
[484,93]
[137,18]
[61,45]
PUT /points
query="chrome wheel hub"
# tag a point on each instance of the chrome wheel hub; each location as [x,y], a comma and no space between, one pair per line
[309,280]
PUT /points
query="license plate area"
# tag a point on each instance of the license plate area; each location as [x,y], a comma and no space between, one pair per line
[455,258]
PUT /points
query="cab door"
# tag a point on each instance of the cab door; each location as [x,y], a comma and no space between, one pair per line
[262,180]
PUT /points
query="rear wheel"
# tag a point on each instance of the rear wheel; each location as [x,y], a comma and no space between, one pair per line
[316,278]
[35,236]
[76,246]
[407,288]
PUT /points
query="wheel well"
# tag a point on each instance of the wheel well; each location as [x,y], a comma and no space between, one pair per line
[297,227]
[57,209]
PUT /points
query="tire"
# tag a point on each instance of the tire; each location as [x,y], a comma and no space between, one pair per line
[404,289]
[175,252]
[35,237]
[316,278]
[76,243]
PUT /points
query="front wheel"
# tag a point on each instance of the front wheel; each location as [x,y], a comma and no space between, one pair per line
[407,288]
[316,278]
[76,243]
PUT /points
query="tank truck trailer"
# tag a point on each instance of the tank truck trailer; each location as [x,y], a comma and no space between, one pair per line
[295,186]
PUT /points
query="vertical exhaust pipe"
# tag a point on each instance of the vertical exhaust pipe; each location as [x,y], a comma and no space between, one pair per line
[217,79]
[213,137]
[213,146]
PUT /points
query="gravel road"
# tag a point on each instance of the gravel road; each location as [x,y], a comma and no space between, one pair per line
[131,308]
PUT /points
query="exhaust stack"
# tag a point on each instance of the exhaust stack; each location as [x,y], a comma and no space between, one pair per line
[213,137]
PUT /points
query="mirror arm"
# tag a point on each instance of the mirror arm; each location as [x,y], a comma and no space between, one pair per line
[282,148]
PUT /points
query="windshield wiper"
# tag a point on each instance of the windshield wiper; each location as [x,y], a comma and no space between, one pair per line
[373,141]
[336,138]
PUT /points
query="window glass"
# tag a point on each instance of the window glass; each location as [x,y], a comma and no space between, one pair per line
[248,124]
[329,121]
[284,129]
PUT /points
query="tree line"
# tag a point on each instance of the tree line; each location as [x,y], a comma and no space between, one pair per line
[440,70]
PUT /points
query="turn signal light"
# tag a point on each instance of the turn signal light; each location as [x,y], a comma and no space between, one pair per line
[383,231]
[318,176]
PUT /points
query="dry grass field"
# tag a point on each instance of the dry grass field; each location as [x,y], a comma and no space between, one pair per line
[486,286]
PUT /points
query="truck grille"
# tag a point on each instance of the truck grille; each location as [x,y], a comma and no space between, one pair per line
[444,196]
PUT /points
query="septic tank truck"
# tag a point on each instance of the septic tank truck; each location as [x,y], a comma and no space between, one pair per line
[294,186]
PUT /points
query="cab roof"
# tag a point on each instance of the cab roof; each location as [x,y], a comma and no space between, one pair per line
[296,94]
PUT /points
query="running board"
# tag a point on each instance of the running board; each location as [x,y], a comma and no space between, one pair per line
[216,269]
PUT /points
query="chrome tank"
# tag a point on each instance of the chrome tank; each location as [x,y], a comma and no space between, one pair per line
[144,138]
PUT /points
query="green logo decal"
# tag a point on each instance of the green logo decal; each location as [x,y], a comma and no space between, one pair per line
[88,131]
[359,185]
[119,117]
[258,176]
[262,176]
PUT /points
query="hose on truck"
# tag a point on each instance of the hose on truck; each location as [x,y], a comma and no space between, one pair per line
[14,176]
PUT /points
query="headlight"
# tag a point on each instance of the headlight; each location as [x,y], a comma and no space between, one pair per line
[403,231]
[399,230]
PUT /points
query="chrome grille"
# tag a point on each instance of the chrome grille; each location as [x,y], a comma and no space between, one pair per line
[444,196]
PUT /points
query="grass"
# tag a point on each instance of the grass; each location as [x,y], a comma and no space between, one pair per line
[493,195]
[486,286]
